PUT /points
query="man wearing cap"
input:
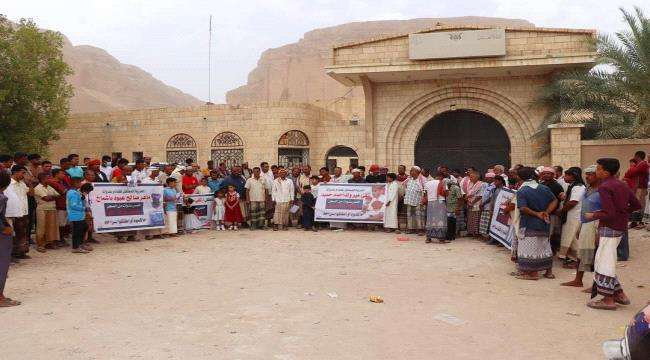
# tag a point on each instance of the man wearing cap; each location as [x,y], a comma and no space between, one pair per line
[95,166]
[154,173]
[375,175]
[357,177]
[500,170]
[547,178]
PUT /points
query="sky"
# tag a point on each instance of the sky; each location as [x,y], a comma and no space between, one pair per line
[169,39]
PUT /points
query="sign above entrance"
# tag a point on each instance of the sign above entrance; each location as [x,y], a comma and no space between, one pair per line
[457,44]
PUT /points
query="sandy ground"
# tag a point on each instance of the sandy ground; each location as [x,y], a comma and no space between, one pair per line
[298,295]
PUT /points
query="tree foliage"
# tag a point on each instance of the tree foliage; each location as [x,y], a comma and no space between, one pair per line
[612,99]
[34,94]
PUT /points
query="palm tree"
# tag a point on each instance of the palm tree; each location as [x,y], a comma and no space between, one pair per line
[613,98]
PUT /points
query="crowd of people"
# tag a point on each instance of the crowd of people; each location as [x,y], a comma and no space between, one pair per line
[579,216]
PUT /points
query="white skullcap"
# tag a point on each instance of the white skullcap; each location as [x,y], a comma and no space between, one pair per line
[356,170]
[590,169]
[416,168]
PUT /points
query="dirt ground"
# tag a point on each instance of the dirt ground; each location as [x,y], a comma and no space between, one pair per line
[298,295]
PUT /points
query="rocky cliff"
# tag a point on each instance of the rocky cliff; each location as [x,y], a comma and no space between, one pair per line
[102,83]
[295,72]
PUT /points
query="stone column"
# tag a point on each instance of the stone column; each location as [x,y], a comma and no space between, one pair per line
[369,121]
[566,144]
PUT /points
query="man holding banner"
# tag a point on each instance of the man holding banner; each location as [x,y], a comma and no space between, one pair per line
[360,203]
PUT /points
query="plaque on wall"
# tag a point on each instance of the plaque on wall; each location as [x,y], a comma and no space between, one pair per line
[457,44]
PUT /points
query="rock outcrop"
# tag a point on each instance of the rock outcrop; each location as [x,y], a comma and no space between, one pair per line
[102,83]
[294,72]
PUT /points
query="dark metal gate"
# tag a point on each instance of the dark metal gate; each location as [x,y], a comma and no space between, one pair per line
[460,139]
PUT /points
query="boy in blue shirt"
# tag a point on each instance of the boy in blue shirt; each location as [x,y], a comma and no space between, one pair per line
[169,200]
[76,209]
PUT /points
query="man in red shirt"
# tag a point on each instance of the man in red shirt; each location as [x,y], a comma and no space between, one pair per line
[189,181]
[638,175]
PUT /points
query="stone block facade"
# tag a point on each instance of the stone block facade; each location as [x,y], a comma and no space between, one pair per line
[259,127]
[400,96]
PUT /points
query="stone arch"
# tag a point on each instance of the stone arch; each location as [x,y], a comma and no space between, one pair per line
[293,148]
[341,155]
[404,129]
[227,139]
[180,147]
[227,147]
[293,138]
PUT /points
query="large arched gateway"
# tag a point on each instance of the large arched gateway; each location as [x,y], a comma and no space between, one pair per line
[460,139]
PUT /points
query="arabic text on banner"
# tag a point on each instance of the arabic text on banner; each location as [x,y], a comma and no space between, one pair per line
[353,203]
[118,207]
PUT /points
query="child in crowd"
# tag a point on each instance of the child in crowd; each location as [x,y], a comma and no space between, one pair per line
[203,188]
[218,210]
[308,205]
[188,215]
[232,216]
[76,209]
[169,202]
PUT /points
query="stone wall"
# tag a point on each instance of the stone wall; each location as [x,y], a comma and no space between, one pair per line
[537,42]
[621,149]
[405,107]
[259,127]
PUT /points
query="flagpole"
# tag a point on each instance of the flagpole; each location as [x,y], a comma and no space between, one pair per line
[210,61]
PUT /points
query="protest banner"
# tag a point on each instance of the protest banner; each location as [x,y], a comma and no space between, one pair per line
[353,203]
[200,214]
[119,207]
[501,227]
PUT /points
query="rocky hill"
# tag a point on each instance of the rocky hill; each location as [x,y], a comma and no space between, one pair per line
[295,72]
[102,83]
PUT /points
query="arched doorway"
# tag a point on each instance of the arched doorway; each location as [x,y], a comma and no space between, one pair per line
[293,149]
[460,139]
[341,156]
[179,148]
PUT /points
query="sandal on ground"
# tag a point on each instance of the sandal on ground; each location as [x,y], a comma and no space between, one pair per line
[515,273]
[551,276]
[600,305]
[526,277]
[622,302]
[7,302]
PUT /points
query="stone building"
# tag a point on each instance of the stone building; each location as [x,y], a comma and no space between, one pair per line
[460,95]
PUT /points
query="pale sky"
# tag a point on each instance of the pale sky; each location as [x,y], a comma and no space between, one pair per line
[168,38]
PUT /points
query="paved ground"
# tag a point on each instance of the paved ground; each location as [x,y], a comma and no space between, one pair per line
[298,295]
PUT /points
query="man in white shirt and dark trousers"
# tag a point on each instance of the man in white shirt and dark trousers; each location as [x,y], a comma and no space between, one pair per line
[282,194]
[20,220]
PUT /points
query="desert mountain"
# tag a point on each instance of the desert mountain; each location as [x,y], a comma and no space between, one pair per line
[102,83]
[294,72]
